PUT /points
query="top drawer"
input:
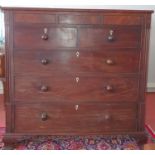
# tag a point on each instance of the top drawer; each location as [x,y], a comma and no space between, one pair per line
[34,18]
[122,20]
[80,19]
[100,19]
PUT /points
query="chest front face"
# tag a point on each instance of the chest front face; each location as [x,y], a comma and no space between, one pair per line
[75,72]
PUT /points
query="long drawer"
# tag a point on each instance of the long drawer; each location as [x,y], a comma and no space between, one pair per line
[76,89]
[36,62]
[35,18]
[75,119]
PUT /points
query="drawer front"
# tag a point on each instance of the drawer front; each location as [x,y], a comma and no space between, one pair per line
[74,119]
[122,20]
[110,37]
[34,18]
[49,62]
[76,89]
[80,19]
[44,37]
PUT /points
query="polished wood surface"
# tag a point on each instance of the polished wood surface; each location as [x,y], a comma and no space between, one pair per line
[56,37]
[30,18]
[82,118]
[98,37]
[43,62]
[76,89]
[77,72]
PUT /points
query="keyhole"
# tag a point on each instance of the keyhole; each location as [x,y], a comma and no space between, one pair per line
[45,30]
[111,32]
[77,79]
[77,54]
[76,107]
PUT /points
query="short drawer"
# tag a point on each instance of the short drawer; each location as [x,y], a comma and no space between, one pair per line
[34,18]
[77,61]
[75,119]
[122,20]
[127,37]
[44,37]
[80,19]
[76,88]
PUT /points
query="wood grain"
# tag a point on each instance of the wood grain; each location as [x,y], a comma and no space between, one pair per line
[67,89]
[65,119]
[75,72]
[88,61]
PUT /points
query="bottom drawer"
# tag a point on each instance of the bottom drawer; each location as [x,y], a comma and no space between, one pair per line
[75,119]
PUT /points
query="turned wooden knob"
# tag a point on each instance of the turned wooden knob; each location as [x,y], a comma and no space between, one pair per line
[44,37]
[109,88]
[111,36]
[107,117]
[44,88]
[109,62]
[44,116]
[44,61]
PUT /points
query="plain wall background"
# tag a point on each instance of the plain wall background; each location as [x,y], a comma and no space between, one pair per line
[63,4]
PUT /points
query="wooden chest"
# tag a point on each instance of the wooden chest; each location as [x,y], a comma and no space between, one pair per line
[75,72]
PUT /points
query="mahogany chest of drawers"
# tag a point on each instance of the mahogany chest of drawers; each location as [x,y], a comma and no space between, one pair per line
[75,72]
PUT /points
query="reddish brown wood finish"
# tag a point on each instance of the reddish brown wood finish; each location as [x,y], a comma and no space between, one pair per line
[38,18]
[75,72]
[57,37]
[76,61]
[123,20]
[67,89]
[78,19]
[88,118]
[2,64]
[98,37]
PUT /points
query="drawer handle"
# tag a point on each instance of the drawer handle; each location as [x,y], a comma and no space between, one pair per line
[107,117]
[111,35]
[44,116]
[44,88]
[44,61]
[109,62]
[45,35]
[109,88]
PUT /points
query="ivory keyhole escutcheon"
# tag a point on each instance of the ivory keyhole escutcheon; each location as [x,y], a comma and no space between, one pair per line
[77,54]
[76,107]
[77,79]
